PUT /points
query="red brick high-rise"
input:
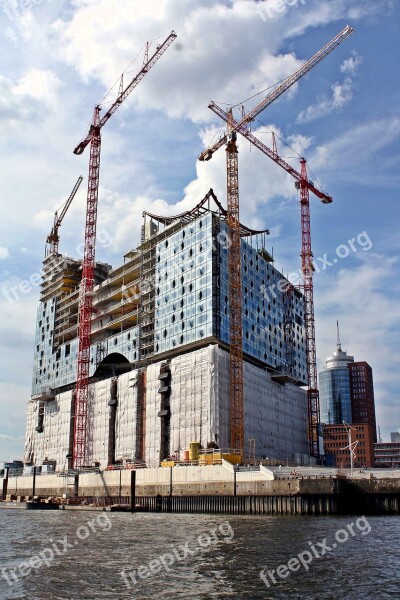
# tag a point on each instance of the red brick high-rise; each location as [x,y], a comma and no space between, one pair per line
[362,396]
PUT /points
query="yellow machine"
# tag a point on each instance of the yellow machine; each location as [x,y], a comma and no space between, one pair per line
[199,457]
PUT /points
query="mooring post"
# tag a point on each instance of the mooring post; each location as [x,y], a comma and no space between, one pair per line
[5,484]
[34,482]
[170,490]
[76,485]
[133,490]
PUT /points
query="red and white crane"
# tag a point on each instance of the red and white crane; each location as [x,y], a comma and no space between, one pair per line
[80,458]
[236,369]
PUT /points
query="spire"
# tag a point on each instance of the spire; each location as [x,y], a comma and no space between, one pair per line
[338,344]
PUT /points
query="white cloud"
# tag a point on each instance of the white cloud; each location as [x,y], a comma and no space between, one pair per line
[4,253]
[300,143]
[12,109]
[22,15]
[350,65]
[40,85]
[6,438]
[348,154]
[342,93]
[11,35]
[25,99]
[201,64]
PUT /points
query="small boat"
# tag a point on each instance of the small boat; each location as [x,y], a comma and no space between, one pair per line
[41,505]
[127,508]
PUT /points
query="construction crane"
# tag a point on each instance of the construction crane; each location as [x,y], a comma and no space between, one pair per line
[236,379]
[85,308]
[305,186]
[53,238]
[282,88]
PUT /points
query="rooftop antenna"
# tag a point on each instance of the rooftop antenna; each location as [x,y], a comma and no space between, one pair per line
[338,343]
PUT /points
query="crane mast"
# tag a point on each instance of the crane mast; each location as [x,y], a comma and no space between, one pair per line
[85,308]
[235,292]
[305,186]
[307,269]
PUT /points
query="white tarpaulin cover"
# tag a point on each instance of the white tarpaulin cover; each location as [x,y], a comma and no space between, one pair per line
[125,424]
[53,443]
[153,406]
[275,414]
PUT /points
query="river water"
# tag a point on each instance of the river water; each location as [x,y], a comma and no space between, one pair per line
[73,555]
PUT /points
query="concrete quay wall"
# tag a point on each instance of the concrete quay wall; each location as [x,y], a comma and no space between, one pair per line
[183,481]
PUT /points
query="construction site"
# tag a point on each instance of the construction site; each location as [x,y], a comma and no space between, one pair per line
[195,342]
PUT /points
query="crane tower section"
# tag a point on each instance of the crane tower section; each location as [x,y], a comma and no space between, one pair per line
[235,294]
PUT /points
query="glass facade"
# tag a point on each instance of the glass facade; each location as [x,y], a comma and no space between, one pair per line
[192,296]
[183,294]
[335,398]
[191,303]
[262,310]
[58,369]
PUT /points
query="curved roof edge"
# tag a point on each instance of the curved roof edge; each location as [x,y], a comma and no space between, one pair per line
[200,209]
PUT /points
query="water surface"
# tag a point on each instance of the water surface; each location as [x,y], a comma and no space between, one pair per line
[201,557]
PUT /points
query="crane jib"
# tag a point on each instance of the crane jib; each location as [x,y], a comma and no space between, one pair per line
[130,87]
[283,87]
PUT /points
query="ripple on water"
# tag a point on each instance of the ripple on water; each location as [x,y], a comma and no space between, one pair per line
[365,566]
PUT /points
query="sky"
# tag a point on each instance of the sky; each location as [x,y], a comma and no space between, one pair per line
[59,59]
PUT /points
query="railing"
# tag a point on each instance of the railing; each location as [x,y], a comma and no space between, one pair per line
[126,466]
[97,298]
[115,321]
[124,272]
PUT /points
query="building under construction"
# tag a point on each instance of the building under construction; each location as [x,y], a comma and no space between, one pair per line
[159,356]
[196,337]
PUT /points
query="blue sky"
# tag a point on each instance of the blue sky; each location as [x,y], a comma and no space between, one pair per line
[58,59]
